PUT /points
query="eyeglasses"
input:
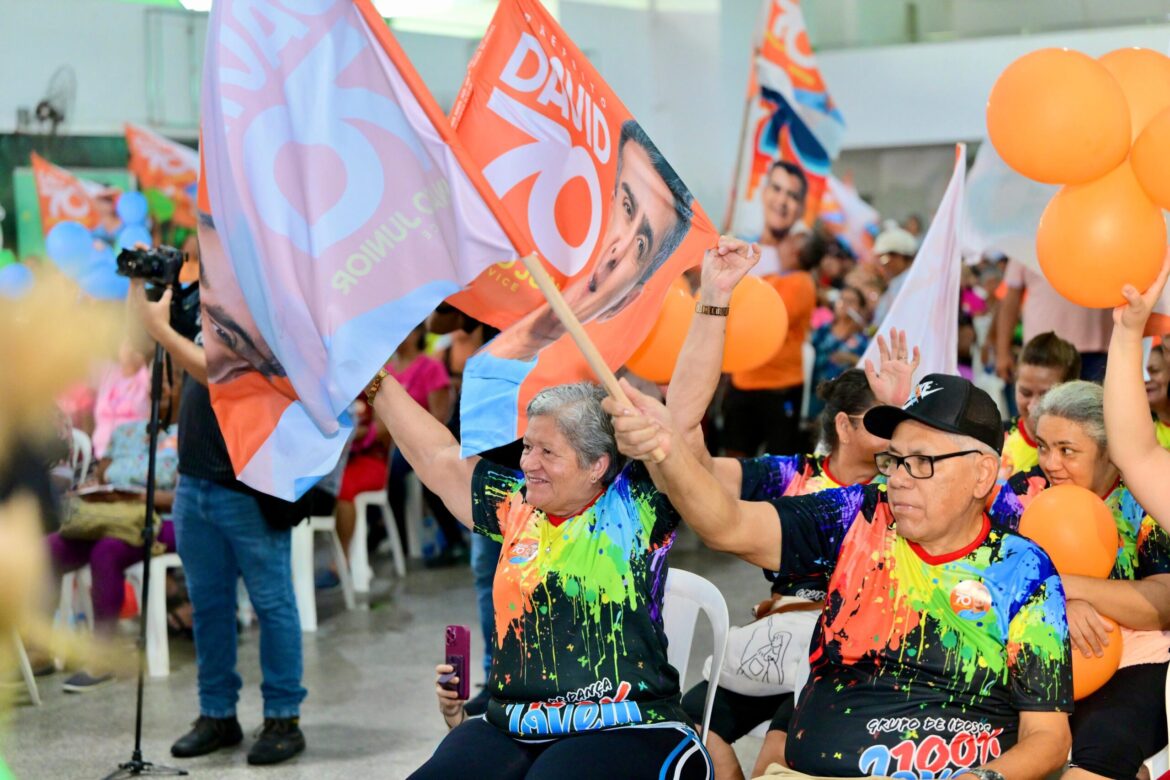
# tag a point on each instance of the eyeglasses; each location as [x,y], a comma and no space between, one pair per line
[917,466]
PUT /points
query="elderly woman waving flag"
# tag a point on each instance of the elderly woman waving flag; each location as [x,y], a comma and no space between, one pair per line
[579,645]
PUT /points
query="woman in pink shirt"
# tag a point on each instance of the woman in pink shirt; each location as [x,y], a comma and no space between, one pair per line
[426,381]
[123,396]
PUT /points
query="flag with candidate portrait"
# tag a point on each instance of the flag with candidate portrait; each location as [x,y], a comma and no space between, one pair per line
[789,116]
[167,173]
[611,219]
[336,210]
[62,196]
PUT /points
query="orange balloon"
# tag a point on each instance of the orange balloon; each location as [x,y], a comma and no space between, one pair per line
[1095,238]
[1075,528]
[1150,159]
[1091,673]
[655,358]
[756,327]
[1058,116]
[1144,76]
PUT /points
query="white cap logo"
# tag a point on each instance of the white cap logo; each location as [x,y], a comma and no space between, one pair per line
[923,389]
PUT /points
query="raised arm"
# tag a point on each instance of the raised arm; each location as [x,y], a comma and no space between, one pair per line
[747,529]
[699,366]
[1133,447]
[429,448]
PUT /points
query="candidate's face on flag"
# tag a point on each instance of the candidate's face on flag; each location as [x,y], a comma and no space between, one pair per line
[642,215]
[232,331]
[783,201]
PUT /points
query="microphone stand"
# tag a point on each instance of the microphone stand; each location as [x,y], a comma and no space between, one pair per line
[137,766]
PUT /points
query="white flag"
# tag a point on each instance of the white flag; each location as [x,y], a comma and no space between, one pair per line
[927,306]
[1003,209]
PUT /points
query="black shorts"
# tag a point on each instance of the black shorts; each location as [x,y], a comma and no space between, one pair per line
[477,749]
[735,715]
[763,418]
[1122,724]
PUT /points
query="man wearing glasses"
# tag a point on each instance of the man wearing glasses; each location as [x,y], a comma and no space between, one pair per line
[943,646]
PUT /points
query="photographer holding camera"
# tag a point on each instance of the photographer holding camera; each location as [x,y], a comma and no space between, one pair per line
[224,530]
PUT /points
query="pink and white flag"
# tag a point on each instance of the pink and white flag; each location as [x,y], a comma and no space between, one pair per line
[335,214]
[927,306]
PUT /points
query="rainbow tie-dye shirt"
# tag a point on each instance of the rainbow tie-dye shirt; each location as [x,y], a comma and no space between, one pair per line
[774,476]
[1144,548]
[579,644]
[1019,451]
[920,664]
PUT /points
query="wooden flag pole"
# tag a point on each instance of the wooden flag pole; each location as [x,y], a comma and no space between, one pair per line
[576,330]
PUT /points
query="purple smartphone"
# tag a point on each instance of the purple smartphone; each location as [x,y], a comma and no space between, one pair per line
[459,656]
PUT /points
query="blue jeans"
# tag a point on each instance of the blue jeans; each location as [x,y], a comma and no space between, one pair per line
[485,554]
[222,535]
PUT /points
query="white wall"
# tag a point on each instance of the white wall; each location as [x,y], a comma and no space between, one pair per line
[931,93]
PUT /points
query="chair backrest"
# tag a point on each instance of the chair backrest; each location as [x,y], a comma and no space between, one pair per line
[80,455]
[808,359]
[686,594]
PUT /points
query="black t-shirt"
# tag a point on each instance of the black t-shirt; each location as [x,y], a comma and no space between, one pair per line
[578,643]
[203,452]
[919,664]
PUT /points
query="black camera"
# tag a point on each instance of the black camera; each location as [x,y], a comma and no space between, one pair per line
[160,265]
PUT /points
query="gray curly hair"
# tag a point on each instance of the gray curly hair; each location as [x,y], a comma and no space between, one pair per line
[576,408]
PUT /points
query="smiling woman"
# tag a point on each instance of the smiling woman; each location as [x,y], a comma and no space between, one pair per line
[1069,424]
[579,647]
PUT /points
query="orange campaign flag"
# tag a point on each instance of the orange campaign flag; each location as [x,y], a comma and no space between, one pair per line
[166,166]
[63,196]
[612,221]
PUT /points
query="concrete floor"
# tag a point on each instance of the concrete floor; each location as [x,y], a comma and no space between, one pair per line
[371,710]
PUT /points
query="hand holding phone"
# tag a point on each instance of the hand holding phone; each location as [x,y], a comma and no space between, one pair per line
[458,657]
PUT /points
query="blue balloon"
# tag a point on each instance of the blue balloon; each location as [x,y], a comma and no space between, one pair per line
[134,234]
[132,208]
[100,277]
[68,245]
[14,280]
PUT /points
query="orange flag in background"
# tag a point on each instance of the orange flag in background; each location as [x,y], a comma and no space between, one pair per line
[166,166]
[609,216]
[63,196]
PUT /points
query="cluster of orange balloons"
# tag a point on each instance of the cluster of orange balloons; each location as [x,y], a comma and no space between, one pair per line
[1101,128]
[1077,531]
[756,329]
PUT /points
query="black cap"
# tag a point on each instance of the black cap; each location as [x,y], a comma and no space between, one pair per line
[948,403]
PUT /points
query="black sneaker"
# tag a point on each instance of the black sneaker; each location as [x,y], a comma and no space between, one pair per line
[478,704]
[83,682]
[208,735]
[280,739]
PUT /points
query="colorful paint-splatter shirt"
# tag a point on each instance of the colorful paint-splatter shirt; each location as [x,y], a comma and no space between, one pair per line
[775,476]
[1144,550]
[1019,451]
[920,664]
[579,644]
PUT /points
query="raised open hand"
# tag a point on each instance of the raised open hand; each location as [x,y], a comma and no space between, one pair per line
[893,379]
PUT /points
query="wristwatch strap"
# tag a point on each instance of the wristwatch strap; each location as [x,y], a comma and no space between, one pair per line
[715,311]
[986,774]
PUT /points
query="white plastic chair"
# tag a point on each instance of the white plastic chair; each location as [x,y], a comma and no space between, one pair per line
[26,670]
[1159,763]
[358,554]
[76,598]
[80,455]
[808,359]
[686,594]
[158,649]
[327,524]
